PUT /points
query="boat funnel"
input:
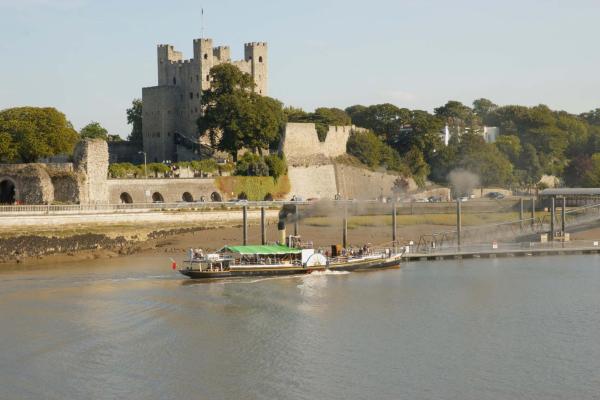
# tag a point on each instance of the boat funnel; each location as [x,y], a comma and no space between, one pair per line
[281,231]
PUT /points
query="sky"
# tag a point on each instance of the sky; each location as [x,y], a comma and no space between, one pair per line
[91,58]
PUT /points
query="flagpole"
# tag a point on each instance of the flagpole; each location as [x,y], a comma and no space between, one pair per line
[202,23]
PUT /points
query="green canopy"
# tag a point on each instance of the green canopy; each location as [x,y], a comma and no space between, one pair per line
[262,250]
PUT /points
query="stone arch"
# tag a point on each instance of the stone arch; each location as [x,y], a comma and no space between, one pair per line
[8,191]
[215,196]
[268,197]
[126,198]
[157,198]
[187,197]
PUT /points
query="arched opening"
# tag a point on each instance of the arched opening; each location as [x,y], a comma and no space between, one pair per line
[157,198]
[215,196]
[260,59]
[268,197]
[7,192]
[174,81]
[207,78]
[205,56]
[242,196]
[126,198]
[187,196]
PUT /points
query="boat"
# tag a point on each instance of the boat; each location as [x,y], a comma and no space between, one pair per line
[280,259]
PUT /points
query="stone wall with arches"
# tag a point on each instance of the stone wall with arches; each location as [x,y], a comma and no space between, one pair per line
[162,190]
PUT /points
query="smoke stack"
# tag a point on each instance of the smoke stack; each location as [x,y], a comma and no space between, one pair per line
[281,231]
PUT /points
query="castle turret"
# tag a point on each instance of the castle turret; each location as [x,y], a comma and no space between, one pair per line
[256,54]
[222,54]
[166,54]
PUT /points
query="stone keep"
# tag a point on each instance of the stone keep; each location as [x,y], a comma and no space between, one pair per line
[176,103]
[90,159]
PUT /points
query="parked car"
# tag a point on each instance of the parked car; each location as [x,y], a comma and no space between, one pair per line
[463,198]
[434,199]
[495,195]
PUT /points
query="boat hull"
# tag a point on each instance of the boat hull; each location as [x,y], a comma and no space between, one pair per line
[360,265]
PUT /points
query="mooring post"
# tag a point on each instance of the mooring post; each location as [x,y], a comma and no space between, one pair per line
[521,213]
[263,227]
[394,221]
[552,216]
[245,224]
[458,223]
[532,213]
[297,217]
[563,216]
[345,227]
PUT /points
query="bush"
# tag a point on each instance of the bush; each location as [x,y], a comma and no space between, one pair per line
[123,170]
[277,165]
[158,168]
[251,165]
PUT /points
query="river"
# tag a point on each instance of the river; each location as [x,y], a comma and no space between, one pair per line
[524,328]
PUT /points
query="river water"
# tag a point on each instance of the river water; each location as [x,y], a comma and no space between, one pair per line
[526,328]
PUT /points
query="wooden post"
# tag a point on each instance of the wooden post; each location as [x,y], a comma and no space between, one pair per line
[552,216]
[521,213]
[263,227]
[532,213]
[245,224]
[563,215]
[345,227]
[297,217]
[458,222]
[394,221]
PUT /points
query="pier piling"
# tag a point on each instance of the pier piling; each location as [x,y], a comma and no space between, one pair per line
[345,227]
[552,216]
[296,219]
[263,227]
[245,224]
[394,221]
[532,213]
[458,222]
[521,214]
[563,216]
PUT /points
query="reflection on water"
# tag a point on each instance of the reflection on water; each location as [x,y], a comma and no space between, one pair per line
[130,328]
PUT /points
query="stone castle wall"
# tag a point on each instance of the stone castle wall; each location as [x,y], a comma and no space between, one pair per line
[91,160]
[301,144]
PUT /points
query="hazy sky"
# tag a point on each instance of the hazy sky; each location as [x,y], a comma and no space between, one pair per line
[90,58]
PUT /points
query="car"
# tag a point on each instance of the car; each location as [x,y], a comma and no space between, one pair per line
[463,198]
[495,195]
[420,200]
[241,201]
[434,199]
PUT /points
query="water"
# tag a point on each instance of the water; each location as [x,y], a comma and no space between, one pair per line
[522,328]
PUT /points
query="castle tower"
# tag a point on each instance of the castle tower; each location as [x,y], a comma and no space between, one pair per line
[166,54]
[203,56]
[256,54]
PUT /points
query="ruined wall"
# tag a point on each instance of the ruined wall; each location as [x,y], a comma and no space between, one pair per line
[91,161]
[31,181]
[301,145]
[171,190]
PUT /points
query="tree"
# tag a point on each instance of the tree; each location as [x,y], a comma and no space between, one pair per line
[251,165]
[235,117]
[158,168]
[277,165]
[418,167]
[384,119]
[94,130]
[35,133]
[370,150]
[8,150]
[134,118]
[482,108]
[530,163]
[459,118]
[510,146]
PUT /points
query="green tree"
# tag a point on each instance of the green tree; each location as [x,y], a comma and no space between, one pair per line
[235,117]
[35,133]
[251,165]
[157,168]
[8,150]
[94,130]
[134,118]
[277,165]
[483,108]
[510,146]
[418,167]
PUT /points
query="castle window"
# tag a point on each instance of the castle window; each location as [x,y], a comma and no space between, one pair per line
[197,95]
[191,95]
[197,78]
[260,59]
[207,78]
[174,81]
[205,56]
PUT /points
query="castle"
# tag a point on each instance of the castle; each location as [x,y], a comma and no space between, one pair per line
[172,108]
